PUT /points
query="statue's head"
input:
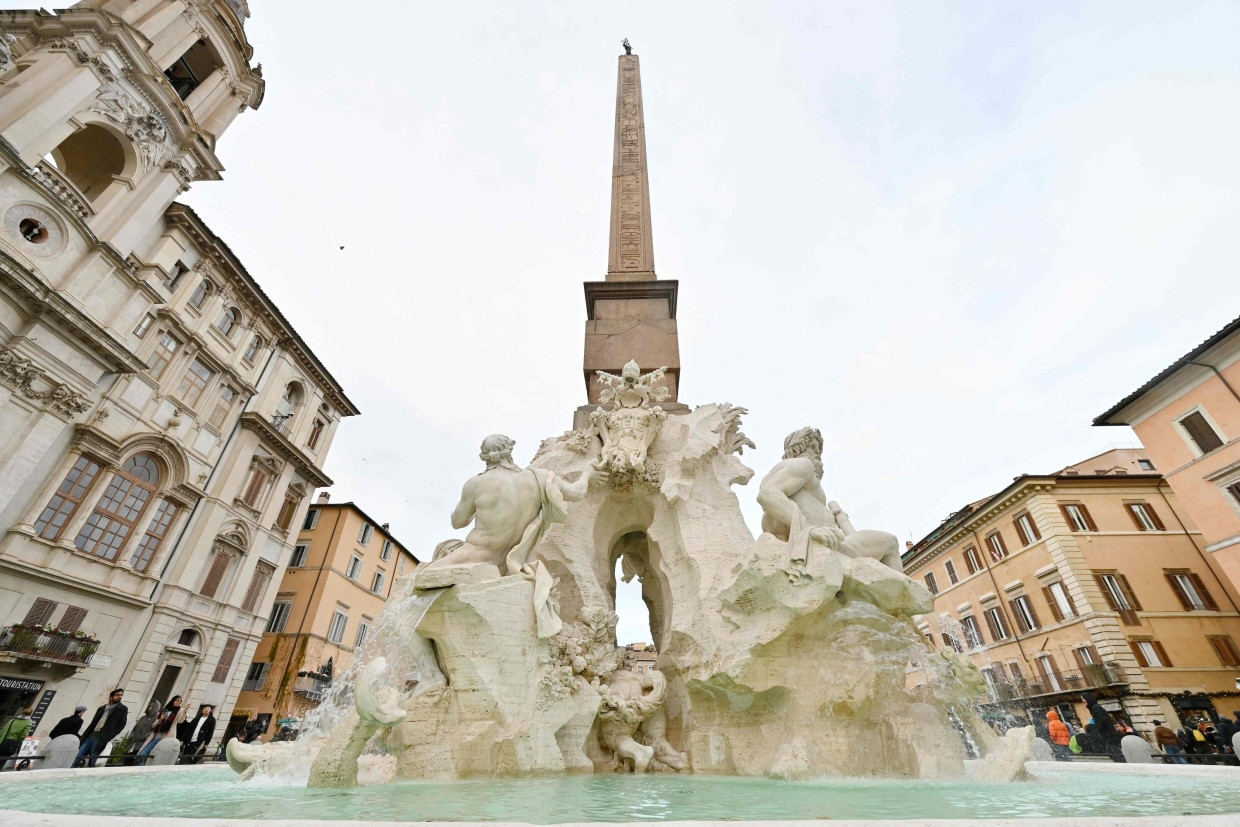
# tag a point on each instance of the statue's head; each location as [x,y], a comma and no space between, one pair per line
[805,442]
[497,451]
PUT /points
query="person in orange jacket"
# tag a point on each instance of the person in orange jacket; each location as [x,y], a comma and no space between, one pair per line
[1060,736]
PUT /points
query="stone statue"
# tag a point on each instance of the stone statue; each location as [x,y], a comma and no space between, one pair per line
[628,50]
[510,508]
[631,723]
[6,51]
[628,429]
[794,508]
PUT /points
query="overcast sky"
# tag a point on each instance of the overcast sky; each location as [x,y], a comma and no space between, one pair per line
[947,234]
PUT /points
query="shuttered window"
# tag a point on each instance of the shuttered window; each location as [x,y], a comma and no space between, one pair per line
[40,613]
[1077,517]
[279,617]
[226,660]
[66,499]
[258,587]
[931,584]
[997,549]
[972,561]
[1022,610]
[1201,433]
[1144,516]
[1060,602]
[1190,590]
[215,573]
[1027,529]
[1225,647]
[72,619]
[1117,592]
[951,571]
[972,634]
[1149,653]
[994,619]
[1049,673]
[951,643]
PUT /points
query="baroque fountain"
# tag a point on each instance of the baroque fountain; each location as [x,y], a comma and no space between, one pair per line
[783,656]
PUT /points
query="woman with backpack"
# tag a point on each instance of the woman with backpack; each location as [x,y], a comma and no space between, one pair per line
[13,734]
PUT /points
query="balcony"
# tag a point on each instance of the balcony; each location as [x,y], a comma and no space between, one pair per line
[1094,676]
[47,646]
[312,686]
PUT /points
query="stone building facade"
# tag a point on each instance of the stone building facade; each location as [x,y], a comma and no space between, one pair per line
[343,569]
[1188,418]
[162,425]
[1090,579]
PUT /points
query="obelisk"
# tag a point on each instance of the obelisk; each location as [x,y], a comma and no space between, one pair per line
[632,313]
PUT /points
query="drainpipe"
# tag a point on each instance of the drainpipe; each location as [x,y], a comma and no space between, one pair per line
[1200,553]
[1220,376]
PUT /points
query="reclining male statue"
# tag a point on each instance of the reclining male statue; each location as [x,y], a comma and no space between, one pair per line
[794,508]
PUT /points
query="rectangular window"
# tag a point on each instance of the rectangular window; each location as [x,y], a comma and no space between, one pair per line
[193,383]
[1149,653]
[951,642]
[951,572]
[1190,590]
[312,520]
[354,571]
[220,561]
[376,585]
[252,349]
[1059,600]
[997,549]
[154,536]
[1234,490]
[300,552]
[386,554]
[256,677]
[72,619]
[1145,465]
[972,561]
[178,270]
[1026,528]
[994,619]
[1022,610]
[363,536]
[1144,516]
[40,613]
[291,503]
[114,518]
[257,588]
[226,661]
[1018,677]
[165,350]
[336,632]
[316,432]
[1118,594]
[254,487]
[972,634]
[1225,648]
[1049,674]
[1077,517]
[992,685]
[144,325]
[223,405]
[931,584]
[363,629]
[1199,430]
[66,499]
[279,617]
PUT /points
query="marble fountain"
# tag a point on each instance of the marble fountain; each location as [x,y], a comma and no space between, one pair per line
[493,688]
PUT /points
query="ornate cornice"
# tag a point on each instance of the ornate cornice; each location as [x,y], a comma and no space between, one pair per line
[280,445]
[22,374]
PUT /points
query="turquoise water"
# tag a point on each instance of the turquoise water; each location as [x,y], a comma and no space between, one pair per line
[216,793]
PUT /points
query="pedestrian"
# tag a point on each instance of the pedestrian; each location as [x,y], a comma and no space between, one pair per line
[142,728]
[109,722]
[13,733]
[1169,741]
[1203,743]
[1060,737]
[198,734]
[1105,728]
[165,725]
[70,724]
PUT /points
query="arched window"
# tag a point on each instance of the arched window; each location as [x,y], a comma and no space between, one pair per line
[255,345]
[90,158]
[288,406]
[66,499]
[229,321]
[189,70]
[120,510]
[200,294]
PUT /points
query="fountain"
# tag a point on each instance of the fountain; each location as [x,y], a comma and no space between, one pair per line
[783,656]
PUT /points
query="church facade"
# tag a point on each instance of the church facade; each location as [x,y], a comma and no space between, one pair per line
[162,424]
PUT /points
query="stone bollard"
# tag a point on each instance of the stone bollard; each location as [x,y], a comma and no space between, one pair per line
[58,753]
[1235,743]
[164,754]
[1042,750]
[1137,750]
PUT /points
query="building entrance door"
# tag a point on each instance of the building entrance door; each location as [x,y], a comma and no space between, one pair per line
[164,690]
[16,694]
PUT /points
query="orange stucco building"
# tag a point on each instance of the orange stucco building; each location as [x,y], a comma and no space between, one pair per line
[1188,418]
[1089,579]
[343,569]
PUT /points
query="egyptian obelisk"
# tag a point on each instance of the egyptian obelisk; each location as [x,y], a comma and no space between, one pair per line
[631,314]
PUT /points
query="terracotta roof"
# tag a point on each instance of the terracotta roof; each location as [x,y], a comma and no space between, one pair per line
[1105,418]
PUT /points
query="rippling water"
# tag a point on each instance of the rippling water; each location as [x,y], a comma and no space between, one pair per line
[215,793]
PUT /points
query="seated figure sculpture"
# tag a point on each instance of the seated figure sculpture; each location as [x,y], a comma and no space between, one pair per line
[795,509]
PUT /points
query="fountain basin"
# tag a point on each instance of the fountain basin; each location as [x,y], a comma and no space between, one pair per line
[1080,793]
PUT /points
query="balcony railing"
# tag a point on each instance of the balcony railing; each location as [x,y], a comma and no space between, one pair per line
[42,644]
[1094,676]
[311,686]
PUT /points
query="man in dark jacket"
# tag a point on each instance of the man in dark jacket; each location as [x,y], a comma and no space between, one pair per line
[109,722]
[1105,728]
[197,732]
[69,725]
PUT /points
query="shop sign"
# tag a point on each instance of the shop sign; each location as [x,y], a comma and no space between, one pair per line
[41,709]
[20,685]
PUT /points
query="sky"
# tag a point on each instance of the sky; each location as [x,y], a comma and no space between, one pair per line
[947,234]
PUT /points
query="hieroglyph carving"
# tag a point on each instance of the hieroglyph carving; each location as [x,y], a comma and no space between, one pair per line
[628,429]
[20,374]
[146,129]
